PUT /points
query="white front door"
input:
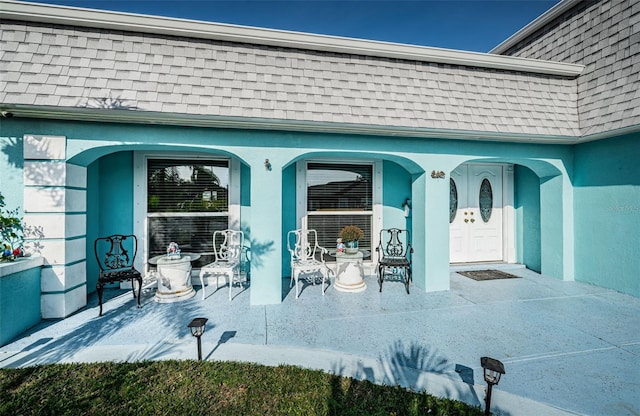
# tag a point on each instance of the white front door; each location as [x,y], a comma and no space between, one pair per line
[476,206]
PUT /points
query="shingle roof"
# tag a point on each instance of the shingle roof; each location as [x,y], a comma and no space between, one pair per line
[605,37]
[64,66]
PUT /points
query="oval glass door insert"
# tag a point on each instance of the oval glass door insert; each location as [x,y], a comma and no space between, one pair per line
[453,200]
[485,200]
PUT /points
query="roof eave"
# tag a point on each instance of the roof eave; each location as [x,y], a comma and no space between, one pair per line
[63,15]
[83,114]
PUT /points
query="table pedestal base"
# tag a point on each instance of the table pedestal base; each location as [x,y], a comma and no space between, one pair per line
[170,297]
[354,288]
[174,280]
[349,273]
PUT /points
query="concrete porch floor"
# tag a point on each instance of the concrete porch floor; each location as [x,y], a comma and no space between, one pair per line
[567,347]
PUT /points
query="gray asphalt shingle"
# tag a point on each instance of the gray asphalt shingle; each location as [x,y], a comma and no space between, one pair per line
[156,73]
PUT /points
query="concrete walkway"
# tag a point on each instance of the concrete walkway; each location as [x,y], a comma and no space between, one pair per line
[567,347]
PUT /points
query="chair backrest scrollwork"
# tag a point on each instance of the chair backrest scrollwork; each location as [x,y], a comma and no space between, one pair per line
[303,244]
[116,252]
[228,245]
[394,242]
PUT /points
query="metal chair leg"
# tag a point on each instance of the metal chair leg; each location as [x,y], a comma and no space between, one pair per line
[407,278]
[202,273]
[139,279]
[99,288]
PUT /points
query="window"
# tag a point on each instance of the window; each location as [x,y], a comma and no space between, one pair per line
[339,194]
[187,200]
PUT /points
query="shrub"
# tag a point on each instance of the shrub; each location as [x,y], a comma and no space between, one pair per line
[10,233]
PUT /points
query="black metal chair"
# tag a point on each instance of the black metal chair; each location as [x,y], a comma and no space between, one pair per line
[115,255]
[394,253]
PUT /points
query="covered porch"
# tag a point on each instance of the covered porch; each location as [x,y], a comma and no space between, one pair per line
[93,199]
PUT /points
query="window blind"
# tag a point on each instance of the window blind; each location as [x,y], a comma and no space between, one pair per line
[339,187]
[187,186]
[187,201]
[339,194]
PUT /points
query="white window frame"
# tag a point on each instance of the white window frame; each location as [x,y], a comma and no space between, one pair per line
[376,207]
[140,214]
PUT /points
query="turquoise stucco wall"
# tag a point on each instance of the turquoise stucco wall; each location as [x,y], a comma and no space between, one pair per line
[115,181]
[288,214]
[265,193]
[396,187]
[551,227]
[527,212]
[19,303]
[109,204]
[607,213]
[93,223]
[11,176]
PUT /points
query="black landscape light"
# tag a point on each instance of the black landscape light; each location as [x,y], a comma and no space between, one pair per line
[197,327]
[493,369]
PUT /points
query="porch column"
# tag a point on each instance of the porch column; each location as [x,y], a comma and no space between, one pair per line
[430,233]
[55,223]
[265,224]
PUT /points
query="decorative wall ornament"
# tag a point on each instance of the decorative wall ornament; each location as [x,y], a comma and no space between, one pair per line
[437,174]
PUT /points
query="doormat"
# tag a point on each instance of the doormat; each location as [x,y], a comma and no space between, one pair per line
[488,275]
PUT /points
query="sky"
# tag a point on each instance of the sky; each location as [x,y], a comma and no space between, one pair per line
[469,25]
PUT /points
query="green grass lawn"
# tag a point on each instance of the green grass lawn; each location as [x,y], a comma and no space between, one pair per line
[205,388]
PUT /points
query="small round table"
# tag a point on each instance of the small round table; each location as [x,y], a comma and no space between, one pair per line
[349,271]
[193,256]
[174,277]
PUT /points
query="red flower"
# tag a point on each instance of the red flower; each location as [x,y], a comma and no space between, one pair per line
[16,252]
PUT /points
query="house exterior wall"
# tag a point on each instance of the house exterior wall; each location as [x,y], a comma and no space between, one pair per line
[109,205]
[604,36]
[11,161]
[100,147]
[54,199]
[19,313]
[527,211]
[607,214]
[93,224]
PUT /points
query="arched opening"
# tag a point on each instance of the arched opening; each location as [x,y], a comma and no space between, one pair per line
[161,196]
[506,211]
[325,191]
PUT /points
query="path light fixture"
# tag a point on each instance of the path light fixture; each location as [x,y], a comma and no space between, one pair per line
[197,327]
[493,369]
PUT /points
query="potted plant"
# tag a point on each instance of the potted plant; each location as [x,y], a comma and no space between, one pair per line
[10,233]
[351,234]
